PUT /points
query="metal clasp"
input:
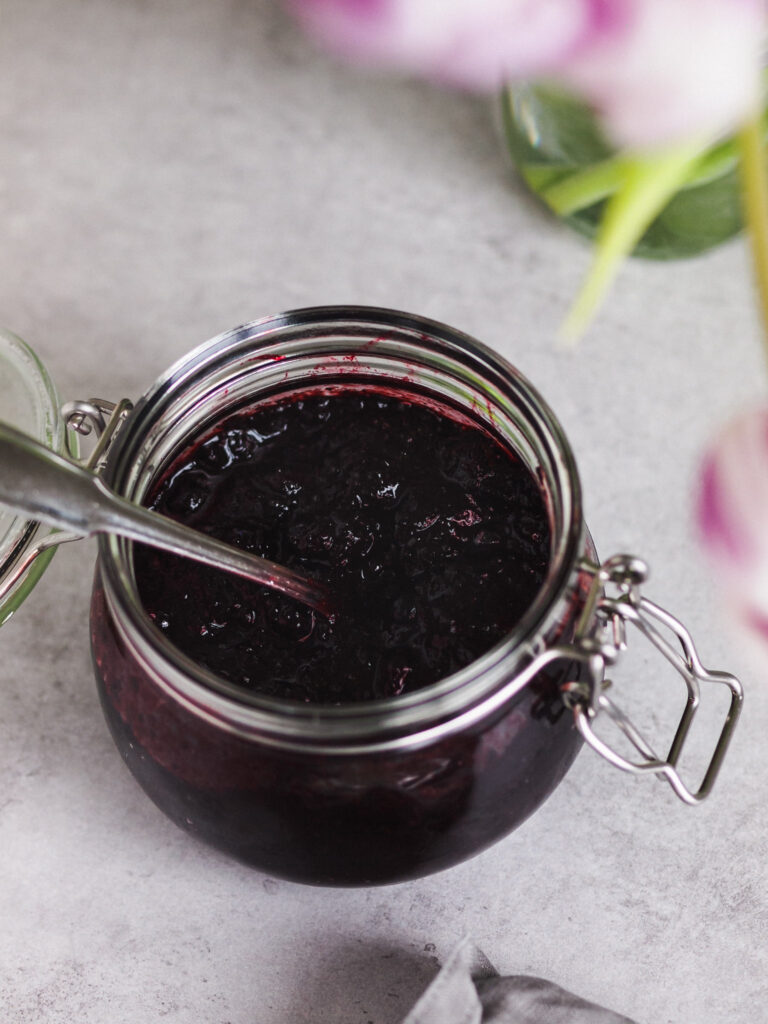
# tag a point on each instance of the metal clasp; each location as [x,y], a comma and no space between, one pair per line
[98,417]
[613,603]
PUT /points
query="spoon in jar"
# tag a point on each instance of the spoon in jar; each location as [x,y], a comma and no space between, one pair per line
[55,491]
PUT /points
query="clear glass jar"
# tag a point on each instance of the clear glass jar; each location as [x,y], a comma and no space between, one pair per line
[360,794]
[382,790]
[29,402]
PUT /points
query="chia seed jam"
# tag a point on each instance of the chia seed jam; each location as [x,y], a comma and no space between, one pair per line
[432,538]
[421,478]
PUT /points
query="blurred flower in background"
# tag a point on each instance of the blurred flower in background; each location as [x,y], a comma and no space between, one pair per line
[733,518]
[657,71]
[665,79]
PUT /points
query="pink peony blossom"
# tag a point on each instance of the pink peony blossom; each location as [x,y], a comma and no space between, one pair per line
[656,70]
[674,69]
[471,42]
[733,516]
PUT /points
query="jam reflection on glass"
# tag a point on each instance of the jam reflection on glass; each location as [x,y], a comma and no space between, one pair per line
[434,540]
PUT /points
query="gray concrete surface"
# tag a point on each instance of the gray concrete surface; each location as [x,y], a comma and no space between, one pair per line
[170,169]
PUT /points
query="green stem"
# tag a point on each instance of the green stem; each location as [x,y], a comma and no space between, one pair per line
[647,186]
[584,187]
[755,192]
[567,192]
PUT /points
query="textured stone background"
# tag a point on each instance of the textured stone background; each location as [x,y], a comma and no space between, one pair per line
[173,168]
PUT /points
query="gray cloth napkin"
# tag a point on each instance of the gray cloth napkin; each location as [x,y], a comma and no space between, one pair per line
[469,990]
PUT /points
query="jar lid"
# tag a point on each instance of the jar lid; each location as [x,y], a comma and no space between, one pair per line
[28,401]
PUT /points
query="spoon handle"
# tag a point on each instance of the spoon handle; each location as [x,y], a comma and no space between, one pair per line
[51,489]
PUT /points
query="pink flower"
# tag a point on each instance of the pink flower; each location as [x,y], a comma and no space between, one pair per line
[656,70]
[733,516]
[674,69]
[473,43]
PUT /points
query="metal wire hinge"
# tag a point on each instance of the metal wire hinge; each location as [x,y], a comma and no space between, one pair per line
[613,603]
[95,417]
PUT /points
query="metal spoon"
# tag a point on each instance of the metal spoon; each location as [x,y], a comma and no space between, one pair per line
[55,491]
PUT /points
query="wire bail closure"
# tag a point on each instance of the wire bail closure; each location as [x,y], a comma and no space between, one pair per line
[613,602]
[98,417]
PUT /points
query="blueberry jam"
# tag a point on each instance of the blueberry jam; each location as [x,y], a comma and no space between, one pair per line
[433,538]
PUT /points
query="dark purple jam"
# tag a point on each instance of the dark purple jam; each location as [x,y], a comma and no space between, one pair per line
[433,537]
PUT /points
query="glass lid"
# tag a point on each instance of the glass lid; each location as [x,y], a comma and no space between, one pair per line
[28,401]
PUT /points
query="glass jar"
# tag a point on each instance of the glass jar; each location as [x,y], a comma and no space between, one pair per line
[391,789]
[29,402]
[559,151]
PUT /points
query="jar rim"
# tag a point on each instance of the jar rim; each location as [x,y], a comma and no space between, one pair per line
[444,700]
[30,402]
